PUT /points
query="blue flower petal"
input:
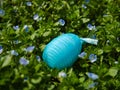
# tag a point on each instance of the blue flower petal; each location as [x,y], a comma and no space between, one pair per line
[16,27]
[105,15]
[93,36]
[38,58]
[92,58]
[82,55]
[93,76]
[30,48]
[84,6]
[26,28]
[91,27]
[25,79]
[2,12]
[29,3]
[87,1]
[36,17]
[62,74]
[1,49]
[116,62]
[16,41]
[61,22]
[93,84]
[118,39]
[23,61]
[13,52]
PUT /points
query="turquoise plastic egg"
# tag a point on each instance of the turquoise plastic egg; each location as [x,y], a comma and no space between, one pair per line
[62,51]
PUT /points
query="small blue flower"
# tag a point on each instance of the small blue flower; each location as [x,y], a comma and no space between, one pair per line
[13,52]
[30,49]
[38,58]
[92,58]
[87,1]
[16,27]
[90,27]
[29,3]
[84,6]
[61,22]
[93,84]
[116,62]
[93,36]
[82,55]
[25,79]
[15,11]
[108,41]
[26,28]
[16,41]
[118,39]
[23,61]
[62,74]
[36,17]
[105,15]
[2,12]
[93,76]
[1,49]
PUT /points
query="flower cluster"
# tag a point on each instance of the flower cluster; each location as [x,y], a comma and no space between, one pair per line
[92,57]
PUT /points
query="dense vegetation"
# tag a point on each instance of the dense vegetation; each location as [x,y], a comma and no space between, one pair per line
[27,26]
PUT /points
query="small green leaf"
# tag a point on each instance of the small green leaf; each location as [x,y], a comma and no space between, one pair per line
[85,20]
[37,67]
[35,81]
[112,71]
[46,33]
[42,46]
[33,35]
[82,79]
[107,49]
[85,65]
[51,87]
[100,51]
[77,13]
[118,49]
[6,60]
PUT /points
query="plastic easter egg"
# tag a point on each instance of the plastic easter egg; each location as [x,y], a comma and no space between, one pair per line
[62,51]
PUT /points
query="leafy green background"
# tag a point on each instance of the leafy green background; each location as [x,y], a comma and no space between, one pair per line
[104,14]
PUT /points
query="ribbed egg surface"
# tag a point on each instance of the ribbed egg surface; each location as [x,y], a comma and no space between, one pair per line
[62,51]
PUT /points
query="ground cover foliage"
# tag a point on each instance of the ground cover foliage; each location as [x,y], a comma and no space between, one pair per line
[26,26]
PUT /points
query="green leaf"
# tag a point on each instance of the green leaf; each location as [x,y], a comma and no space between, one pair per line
[85,20]
[118,49]
[46,33]
[37,67]
[100,51]
[112,71]
[42,46]
[107,49]
[51,87]
[82,79]
[6,60]
[77,13]
[35,81]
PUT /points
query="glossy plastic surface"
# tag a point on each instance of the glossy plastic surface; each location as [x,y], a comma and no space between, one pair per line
[62,51]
